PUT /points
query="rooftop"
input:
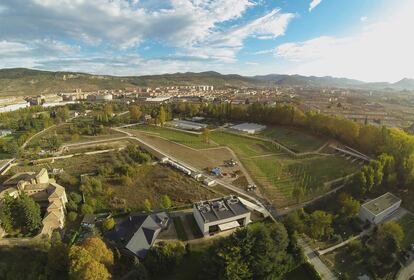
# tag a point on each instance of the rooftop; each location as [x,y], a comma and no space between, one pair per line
[249,126]
[220,208]
[381,203]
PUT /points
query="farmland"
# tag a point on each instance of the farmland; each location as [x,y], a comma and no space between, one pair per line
[277,173]
[188,139]
[295,140]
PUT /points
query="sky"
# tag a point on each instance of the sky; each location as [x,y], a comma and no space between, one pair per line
[369,40]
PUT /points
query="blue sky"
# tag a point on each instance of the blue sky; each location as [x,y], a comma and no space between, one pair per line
[368,40]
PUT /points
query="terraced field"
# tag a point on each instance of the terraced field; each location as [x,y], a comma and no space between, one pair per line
[295,140]
[279,175]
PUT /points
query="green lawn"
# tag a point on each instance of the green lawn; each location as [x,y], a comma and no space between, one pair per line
[243,146]
[189,139]
[191,265]
[293,139]
[407,223]
[179,228]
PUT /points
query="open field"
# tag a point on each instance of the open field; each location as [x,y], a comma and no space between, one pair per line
[152,182]
[201,159]
[188,139]
[243,146]
[293,139]
[148,182]
[64,135]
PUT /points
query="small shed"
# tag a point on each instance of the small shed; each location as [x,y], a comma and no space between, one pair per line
[216,171]
[88,221]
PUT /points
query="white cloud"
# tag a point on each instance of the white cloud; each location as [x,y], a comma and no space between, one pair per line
[12,48]
[382,51]
[363,19]
[313,4]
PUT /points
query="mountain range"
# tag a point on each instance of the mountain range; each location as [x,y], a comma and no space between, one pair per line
[22,81]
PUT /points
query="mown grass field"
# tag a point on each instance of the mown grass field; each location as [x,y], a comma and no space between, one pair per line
[189,139]
[295,140]
[243,146]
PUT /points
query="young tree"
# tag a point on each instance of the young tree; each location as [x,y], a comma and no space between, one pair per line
[99,251]
[162,115]
[320,224]
[135,113]
[147,205]
[349,206]
[108,224]
[82,266]
[72,216]
[166,202]
[298,193]
[206,135]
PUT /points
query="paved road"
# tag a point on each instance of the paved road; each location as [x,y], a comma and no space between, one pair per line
[406,272]
[313,258]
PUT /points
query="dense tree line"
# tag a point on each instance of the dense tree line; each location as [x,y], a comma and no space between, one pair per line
[262,251]
[20,215]
[396,145]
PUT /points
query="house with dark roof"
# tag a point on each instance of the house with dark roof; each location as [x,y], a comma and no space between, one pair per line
[138,232]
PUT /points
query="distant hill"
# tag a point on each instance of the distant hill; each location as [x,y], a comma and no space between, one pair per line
[22,81]
[404,84]
[312,81]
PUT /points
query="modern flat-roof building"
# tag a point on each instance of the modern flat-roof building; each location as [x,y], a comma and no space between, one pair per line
[250,128]
[376,210]
[220,214]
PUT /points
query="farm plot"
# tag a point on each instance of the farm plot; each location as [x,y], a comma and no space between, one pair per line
[200,159]
[244,146]
[189,139]
[293,139]
[280,175]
